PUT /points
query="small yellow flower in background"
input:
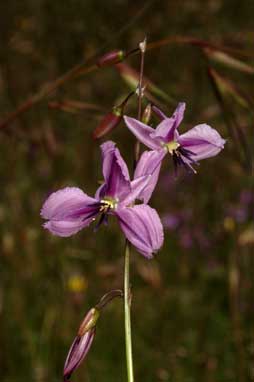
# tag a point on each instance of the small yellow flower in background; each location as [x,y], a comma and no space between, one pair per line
[247,236]
[77,283]
[229,224]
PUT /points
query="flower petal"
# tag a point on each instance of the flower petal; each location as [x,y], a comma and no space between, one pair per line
[149,164]
[142,132]
[115,171]
[203,141]
[66,228]
[179,113]
[167,128]
[68,211]
[137,187]
[142,227]
[65,202]
[158,112]
[77,353]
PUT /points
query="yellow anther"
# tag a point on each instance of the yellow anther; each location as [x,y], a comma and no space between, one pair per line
[172,147]
[107,204]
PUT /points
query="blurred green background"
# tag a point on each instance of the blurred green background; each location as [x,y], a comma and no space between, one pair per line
[193,310]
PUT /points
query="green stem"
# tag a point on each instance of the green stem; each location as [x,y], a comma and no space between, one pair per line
[127,314]
[127,292]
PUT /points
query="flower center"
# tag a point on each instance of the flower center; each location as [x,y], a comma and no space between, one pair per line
[107,204]
[172,147]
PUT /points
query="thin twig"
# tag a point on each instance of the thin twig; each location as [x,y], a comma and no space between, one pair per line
[142,47]
[82,68]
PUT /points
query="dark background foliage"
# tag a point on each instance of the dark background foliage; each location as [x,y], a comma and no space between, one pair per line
[193,304]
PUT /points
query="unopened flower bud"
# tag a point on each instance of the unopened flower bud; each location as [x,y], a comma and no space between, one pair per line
[109,122]
[83,341]
[81,344]
[111,58]
[89,321]
[147,114]
[77,353]
[112,119]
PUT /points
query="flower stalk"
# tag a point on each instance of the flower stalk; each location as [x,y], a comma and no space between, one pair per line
[142,47]
[127,291]
[127,314]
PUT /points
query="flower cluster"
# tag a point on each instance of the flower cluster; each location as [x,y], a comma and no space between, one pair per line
[69,210]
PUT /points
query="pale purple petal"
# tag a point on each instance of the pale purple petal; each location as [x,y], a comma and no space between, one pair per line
[77,353]
[179,113]
[143,133]
[66,228]
[100,192]
[149,164]
[166,130]
[142,227]
[137,187]
[158,112]
[115,172]
[68,211]
[65,202]
[203,141]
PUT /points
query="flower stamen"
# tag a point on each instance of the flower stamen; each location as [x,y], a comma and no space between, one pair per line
[108,204]
[172,147]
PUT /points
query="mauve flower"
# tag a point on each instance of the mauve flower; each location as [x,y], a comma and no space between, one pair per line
[186,239]
[246,197]
[171,221]
[70,209]
[200,142]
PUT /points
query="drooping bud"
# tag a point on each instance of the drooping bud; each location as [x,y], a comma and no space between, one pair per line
[111,119]
[109,122]
[111,58]
[89,321]
[147,113]
[81,343]
[77,353]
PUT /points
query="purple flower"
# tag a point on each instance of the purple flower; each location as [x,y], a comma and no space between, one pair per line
[246,197]
[186,149]
[171,221]
[70,209]
[186,240]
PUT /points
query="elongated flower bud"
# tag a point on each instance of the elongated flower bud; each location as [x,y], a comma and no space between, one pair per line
[147,113]
[84,339]
[77,353]
[112,119]
[82,343]
[89,321]
[111,58]
[109,122]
